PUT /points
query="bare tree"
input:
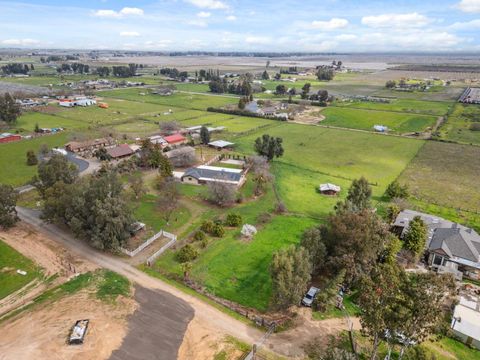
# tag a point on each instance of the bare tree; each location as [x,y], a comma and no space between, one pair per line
[168,196]
[261,173]
[169,127]
[221,193]
[137,185]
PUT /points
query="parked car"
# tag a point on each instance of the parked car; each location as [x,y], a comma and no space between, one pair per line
[310,296]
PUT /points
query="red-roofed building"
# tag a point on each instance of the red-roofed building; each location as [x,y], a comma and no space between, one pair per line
[120,151]
[175,139]
[7,137]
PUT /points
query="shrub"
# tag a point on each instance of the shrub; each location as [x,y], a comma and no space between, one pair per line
[204,243]
[475,127]
[207,226]
[233,220]
[218,231]
[395,190]
[199,235]
[280,208]
[31,158]
[187,253]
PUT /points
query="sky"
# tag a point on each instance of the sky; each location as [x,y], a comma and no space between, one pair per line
[243,25]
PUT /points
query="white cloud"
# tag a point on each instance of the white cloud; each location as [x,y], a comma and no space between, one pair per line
[159,44]
[126,11]
[470,6]
[199,23]
[209,4]
[396,20]
[129,34]
[231,18]
[332,24]
[20,42]
[469,25]
[203,14]
[257,40]
[345,37]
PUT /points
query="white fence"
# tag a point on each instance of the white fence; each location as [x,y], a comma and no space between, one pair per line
[173,240]
[144,245]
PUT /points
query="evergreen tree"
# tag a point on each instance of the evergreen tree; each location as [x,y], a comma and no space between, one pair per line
[31,158]
[268,146]
[9,109]
[8,202]
[204,135]
[416,236]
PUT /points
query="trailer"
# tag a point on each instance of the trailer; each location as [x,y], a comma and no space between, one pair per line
[79,330]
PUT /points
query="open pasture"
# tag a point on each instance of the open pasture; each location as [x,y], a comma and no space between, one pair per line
[445,174]
[341,153]
[365,119]
[458,125]
[28,121]
[13,158]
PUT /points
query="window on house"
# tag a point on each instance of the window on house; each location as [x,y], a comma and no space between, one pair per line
[437,260]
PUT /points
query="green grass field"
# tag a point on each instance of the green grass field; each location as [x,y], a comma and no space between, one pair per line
[457,127]
[28,120]
[10,261]
[13,157]
[365,119]
[436,108]
[446,175]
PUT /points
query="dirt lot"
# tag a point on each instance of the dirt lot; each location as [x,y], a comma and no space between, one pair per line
[310,115]
[43,333]
[50,256]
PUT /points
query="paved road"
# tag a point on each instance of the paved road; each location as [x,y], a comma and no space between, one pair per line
[203,311]
[156,329]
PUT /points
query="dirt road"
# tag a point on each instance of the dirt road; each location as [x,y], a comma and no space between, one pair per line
[205,313]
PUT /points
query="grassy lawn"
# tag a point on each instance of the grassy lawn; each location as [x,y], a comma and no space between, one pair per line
[457,126]
[445,175]
[340,153]
[447,349]
[28,120]
[366,119]
[13,158]
[10,261]
[437,108]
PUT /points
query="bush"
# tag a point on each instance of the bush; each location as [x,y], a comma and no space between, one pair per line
[395,190]
[280,208]
[199,235]
[218,230]
[31,158]
[475,127]
[207,226]
[204,243]
[187,253]
[233,220]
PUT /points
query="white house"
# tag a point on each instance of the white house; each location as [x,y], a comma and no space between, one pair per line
[466,321]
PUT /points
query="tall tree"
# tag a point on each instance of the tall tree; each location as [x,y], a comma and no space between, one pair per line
[204,135]
[8,201]
[416,236]
[9,109]
[261,173]
[268,146]
[57,168]
[290,270]
[312,241]
[358,197]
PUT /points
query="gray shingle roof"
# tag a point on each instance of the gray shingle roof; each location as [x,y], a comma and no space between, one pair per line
[199,173]
[457,242]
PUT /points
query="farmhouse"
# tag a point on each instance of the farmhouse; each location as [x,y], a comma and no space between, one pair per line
[205,174]
[7,137]
[158,139]
[451,247]
[182,156]
[89,145]
[329,189]
[221,144]
[121,151]
[175,139]
[466,320]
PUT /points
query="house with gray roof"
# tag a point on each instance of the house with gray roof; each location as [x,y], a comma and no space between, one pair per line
[452,248]
[204,174]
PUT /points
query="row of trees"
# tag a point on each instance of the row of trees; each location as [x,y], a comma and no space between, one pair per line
[17,68]
[76,68]
[240,87]
[125,71]
[174,73]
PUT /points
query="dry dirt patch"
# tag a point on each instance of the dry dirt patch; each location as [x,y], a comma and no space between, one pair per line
[42,333]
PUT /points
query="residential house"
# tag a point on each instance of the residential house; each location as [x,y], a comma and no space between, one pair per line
[120,152]
[451,247]
[175,139]
[466,320]
[221,144]
[158,139]
[205,174]
[89,145]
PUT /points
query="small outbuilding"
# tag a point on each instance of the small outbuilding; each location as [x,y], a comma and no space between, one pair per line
[79,330]
[329,189]
[175,139]
[221,144]
[121,151]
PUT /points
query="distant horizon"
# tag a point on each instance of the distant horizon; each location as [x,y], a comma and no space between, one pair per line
[349,26]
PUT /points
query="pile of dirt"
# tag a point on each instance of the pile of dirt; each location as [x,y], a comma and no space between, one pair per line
[43,332]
